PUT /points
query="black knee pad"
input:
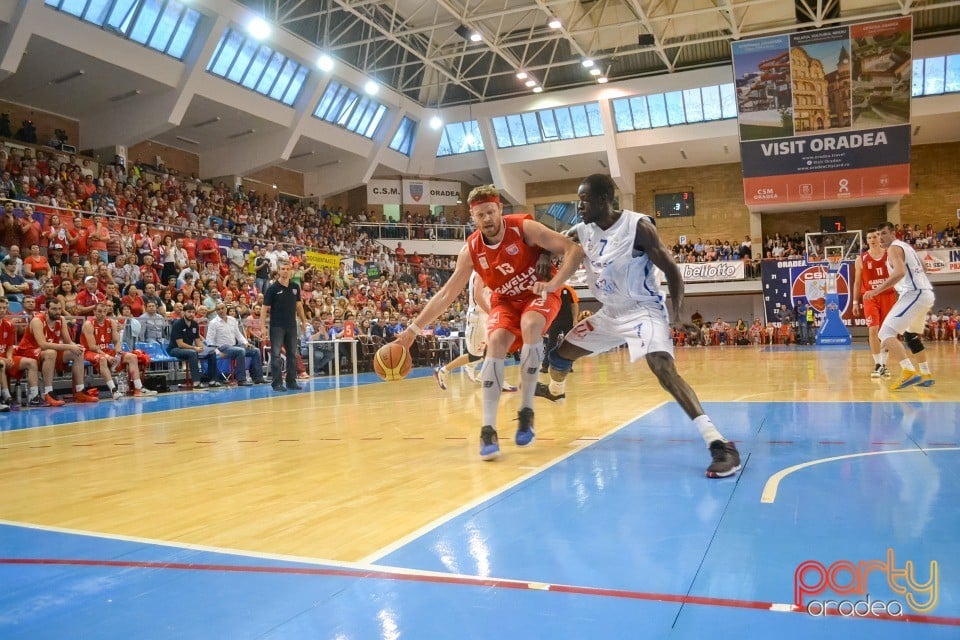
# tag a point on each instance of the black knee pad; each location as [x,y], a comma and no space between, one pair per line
[913,342]
[472,358]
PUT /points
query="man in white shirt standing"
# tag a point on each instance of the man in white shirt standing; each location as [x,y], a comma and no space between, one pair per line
[224,333]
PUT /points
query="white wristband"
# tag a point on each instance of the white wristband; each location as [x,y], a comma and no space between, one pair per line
[413,326]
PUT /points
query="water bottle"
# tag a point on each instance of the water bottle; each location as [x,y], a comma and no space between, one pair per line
[123,383]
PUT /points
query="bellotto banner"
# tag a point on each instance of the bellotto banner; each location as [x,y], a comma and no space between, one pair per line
[712,271]
[825,115]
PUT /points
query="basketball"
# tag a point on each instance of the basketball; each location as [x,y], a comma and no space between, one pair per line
[392,362]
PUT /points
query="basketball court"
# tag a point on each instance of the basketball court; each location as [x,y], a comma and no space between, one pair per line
[363,510]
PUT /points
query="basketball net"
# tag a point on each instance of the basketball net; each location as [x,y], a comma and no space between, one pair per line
[833,266]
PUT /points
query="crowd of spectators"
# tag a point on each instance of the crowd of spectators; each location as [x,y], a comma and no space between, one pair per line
[149,243]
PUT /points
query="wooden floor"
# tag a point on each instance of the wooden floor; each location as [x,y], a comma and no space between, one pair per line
[345,473]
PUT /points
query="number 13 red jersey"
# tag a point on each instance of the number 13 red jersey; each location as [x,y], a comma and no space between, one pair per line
[510,268]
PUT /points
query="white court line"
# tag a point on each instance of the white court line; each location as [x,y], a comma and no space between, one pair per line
[773,482]
[410,537]
[235,552]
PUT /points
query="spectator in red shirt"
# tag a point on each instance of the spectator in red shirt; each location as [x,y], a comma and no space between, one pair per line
[89,297]
[208,250]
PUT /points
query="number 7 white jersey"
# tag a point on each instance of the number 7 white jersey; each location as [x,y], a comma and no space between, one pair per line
[619,276]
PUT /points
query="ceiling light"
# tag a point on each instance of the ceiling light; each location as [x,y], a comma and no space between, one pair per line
[302,155]
[124,96]
[594,71]
[554,23]
[476,37]
[602,80]
[188,140]
[436,122]
[241,134]
[212,120]
[587,62]
[538,89]
[274,186]
[371,88]
[563,166]
[521,75]
[531,83]
[67,78]
[258,28]
[325,63]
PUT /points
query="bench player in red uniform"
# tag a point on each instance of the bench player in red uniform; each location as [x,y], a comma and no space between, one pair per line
[100,338]
[869,273]
[47,340]
[504,251]
[13,366]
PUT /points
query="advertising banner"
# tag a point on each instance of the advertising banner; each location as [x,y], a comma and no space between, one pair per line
[790,282]
[431,192]
[940,260]
[319,260]
[383,192]
[712,271]
[825,114]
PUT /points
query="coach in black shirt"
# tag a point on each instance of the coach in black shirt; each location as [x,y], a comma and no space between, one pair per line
[282,300]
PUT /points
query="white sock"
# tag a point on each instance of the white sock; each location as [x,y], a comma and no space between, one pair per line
[558,388]
[907,365]
[707,429]
[137,384]
[883,357]
[47,390]
[111,385]
[33,393]
[78,388]
[876,358]
[925,368]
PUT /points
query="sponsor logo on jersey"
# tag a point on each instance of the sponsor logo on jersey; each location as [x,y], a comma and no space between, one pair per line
[483,262]
[513,250]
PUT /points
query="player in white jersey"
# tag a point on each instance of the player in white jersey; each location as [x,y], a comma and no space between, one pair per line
[623,261]
[906,318]
[478,306]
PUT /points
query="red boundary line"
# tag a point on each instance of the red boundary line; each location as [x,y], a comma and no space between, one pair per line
[460,580]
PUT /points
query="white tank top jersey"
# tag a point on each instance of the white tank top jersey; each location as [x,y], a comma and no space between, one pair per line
[916,278]
[617,275]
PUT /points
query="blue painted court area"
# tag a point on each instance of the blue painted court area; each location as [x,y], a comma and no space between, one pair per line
[622,539]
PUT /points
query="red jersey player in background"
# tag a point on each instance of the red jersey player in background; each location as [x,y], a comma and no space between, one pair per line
[100,337]
[47,340]
[870,272]
[504,251]
[12,366]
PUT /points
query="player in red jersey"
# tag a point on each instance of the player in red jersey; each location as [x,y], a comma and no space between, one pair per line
[100,337]
[47,341]
[504,251]
[870,272]
[12,366]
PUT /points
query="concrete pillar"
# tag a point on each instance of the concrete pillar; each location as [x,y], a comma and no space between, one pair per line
[756,234]
[893,212]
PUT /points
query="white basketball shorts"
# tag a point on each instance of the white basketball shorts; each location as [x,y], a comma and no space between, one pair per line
[476,332]
[909,313]
[645,330]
